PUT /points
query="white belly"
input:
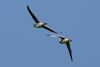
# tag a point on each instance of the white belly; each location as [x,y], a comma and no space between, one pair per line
[39,25]
[64,41]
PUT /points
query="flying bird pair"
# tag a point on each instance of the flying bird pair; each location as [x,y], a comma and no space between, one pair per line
[40,24]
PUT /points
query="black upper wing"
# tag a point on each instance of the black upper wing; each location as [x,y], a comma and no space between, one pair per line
[33,16]
[69,50]
[44,26]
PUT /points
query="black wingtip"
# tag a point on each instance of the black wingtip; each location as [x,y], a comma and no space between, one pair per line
[28,7]
[72,59]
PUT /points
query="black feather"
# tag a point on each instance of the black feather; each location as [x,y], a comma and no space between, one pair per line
[45,27]
[33,16]
[69,50]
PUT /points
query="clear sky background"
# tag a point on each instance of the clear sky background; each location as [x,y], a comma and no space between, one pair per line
[22,45]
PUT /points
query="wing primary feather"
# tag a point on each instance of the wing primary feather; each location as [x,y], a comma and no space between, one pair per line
[69,50]
[33,16]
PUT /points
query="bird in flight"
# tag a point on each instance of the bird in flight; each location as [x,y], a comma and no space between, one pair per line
[39,24]
[66,41]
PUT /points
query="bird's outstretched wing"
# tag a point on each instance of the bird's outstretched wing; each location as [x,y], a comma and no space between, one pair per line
[45,27]
[69,50]
[33,16]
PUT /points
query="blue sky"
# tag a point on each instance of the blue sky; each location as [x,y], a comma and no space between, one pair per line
[21,45]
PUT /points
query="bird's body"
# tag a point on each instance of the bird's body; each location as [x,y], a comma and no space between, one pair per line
[63,41]
[39,25]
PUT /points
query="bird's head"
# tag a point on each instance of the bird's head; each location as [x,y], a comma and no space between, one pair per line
[34,25]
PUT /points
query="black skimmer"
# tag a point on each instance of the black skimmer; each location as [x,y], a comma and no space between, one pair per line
[64,40]
[38,23]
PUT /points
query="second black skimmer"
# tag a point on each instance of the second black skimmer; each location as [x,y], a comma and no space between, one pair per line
[66,41]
